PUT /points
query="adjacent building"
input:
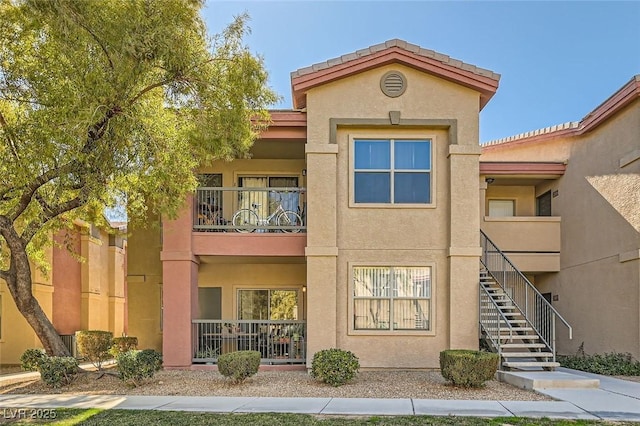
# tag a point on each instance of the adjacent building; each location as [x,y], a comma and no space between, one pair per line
[84,288]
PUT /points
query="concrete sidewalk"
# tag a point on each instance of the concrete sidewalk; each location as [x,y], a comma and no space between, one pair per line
[614,400]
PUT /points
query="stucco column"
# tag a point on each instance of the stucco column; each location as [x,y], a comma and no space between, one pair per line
[116,291]
[321,250]
[91,272]
[464,246]
[179,289]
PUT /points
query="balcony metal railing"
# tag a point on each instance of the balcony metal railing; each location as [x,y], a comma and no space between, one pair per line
[69,341]
[539,313]
[245,210]
[278,341]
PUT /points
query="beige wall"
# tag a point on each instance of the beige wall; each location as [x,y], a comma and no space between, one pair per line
[595,235]
[443,235]
[144,285]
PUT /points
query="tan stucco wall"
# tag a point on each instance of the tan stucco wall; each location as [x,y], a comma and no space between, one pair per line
[340,235]
[594,235]
[144,285]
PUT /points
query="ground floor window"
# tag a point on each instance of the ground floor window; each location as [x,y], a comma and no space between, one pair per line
[391,298]
[267,304]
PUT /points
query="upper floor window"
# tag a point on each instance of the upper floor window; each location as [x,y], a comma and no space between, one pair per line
[392,171]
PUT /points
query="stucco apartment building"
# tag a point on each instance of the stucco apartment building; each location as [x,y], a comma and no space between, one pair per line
[370,218]
[84,288]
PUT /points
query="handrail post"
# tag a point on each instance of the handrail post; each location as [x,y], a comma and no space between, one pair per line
[553,335]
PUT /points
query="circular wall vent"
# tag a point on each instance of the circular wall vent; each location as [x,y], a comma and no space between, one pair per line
[393,84]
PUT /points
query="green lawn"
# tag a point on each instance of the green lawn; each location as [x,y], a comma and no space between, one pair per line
[178,418]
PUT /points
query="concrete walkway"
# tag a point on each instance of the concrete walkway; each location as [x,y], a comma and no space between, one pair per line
[614,400]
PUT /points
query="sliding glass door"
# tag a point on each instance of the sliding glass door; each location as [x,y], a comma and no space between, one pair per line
[268,304]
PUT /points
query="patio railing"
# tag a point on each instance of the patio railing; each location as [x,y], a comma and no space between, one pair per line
[254,209]
[278,341]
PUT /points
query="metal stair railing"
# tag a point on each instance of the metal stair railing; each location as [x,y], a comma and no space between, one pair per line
[537,311]
[491,319]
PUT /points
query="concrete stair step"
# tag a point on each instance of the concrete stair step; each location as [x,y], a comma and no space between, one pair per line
[515,329]
[522,345]
[533,380]
[527,355]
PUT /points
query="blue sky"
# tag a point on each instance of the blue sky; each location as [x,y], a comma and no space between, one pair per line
[558,60]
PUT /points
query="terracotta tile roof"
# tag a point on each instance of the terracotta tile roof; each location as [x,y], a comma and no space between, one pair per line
[614,103]
[394,51]
[413,48]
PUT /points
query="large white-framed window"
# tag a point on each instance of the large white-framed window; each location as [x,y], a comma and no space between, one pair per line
[392,171]
[391,298]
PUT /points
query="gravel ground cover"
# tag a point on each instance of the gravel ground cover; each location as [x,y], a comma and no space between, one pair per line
[368,384]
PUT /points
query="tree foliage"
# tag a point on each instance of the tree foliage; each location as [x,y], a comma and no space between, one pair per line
[102,100]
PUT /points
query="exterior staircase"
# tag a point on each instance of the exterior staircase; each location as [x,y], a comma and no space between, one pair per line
[516,321]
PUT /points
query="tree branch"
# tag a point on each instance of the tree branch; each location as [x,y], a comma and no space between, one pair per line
[33,227]
[151,87]
[7,131]
[30,189]
[79,21]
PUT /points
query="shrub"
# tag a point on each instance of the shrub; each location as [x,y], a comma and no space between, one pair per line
[123,344]
[135,366]
[57,371]
[468,368]
[334,366]
[239,365]
[611,364]
[31,358]
[94,345]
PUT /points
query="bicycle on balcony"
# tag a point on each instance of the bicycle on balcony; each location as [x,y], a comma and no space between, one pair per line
[249,219]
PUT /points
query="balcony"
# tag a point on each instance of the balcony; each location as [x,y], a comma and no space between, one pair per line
[532,243]
[249,221]
[278,341]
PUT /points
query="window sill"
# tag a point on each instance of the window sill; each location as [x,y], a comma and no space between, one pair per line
[400,333]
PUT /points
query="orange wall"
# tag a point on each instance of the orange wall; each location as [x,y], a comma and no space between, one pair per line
[67,284]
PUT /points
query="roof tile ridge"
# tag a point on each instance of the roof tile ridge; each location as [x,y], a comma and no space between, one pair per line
[400,44]
[543,131]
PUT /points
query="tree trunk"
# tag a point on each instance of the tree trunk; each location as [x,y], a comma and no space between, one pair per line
[18,278]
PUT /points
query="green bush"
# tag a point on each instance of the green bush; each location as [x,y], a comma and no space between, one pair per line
[31,358]
[334,366]
[94,345]
[57,371]
[123,344]
[610,364]
[134,366]
[239,365]
[468,368]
